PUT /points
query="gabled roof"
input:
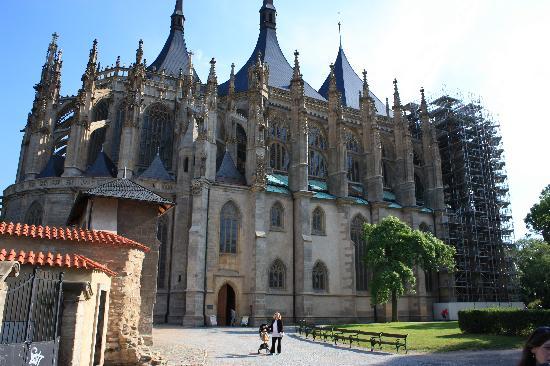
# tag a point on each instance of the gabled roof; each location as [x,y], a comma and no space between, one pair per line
[78,235]
[54,167]
[349,85]
[228,172]
[280,71]
[103,166]
[156,171]
[53,260]
[127,189]
[174,55]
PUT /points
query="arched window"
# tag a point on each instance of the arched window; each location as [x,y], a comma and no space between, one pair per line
[162,236]
[278,157]
[156,136]
[361,274]
[277,216]
[241,149]
[320,277]
[277,275]
[229,228]
[317,145]
[35,214]
[418,190]
[117,131]
[97,138]
[318,222]
[101,111]
[62,130]
[353,157]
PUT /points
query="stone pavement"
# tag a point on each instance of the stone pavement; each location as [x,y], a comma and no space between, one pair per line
[238,346]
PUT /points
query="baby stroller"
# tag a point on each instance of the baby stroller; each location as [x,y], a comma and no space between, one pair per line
[264,336]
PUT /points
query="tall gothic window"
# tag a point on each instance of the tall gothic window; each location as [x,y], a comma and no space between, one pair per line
[277,275]
[317,146]
[117,131]
[229,228]
[385,175]
[361,274]
[353,157]
[162,236]
[62,130]
[35,214]
[278,152]
[277,214]
[157,135]
[318,222]
[320,277]
[241,149]
[97,138]
[101,111]
[418,190]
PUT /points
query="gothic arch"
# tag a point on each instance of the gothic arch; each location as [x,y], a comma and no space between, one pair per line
[277,275]
[34,214]
[319,277]
[95,144]
[230,223]
[62,129]
[318,221]
[353,156]
[317,142]
[277,214]
[157,135]
[100,112]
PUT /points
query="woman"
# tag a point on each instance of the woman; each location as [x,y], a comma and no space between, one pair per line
[537,349]
[277,334]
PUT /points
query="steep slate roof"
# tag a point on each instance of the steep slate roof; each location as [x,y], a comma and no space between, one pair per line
[126,189]
[156,171]
[103,166]
[174,55]
[53,260]
[349,84]
[78,235]
[54,167]
[228,172]
[280,71]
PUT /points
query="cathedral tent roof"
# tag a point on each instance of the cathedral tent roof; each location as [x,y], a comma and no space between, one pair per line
[280,71]
[349,84]
[228,172]
[54,167]
[174,55]
[102,167]
[156,171]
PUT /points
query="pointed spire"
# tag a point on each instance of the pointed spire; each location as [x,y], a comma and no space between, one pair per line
[177,17]
[332,79]
[268,15]
[139,52]
[232,80]
[212,78]
[365,84]
[118,61]
[297,74]
[423,104]
[340,32]
[93,53]
[387,107]
[52,49]
[396,98]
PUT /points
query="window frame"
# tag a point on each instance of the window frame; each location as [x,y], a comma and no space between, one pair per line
[230,224]
[277,268]
[280,207]
[320,271]
[322,230]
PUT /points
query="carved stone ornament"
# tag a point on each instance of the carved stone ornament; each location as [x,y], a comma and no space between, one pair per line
[260,177]
[196,187]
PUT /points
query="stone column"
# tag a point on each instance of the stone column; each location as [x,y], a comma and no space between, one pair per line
[260,256]
[303,260]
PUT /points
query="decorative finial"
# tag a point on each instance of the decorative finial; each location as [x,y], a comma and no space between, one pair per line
[118,61]
[259,58]
[387,107]
[139,52]
[55,37]
[297,75]
[332,79]
[423,104]
[340,31]
[396,98]
[233,69]
[212,74]
[365,77]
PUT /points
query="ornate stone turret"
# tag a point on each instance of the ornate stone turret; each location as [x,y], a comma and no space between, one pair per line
[77,147]
[337,172]
[258,95]
[37,139]
[372,147]
[298,170]
[431,159]
[129,141]
[404,154]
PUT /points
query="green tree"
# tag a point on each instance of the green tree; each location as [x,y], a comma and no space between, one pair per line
[393,250]
[538,218]
[533,260]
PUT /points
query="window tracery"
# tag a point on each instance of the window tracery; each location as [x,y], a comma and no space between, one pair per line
[277,215]
[35,214]
[320,277]
[157,136]
[277,275]
[353,157]
[317,145]
[229,228]
[318,222]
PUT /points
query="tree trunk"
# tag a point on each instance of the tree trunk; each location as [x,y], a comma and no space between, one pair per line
[394,306]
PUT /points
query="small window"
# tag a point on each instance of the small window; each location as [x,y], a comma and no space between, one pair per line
[34,214]
[277,222]
[229,228]
[318,222]
[277,275]
[320,277]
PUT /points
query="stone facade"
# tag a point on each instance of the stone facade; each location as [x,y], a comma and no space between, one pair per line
[323,160]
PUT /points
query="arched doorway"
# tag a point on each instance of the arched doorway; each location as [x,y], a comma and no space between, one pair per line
[226,302]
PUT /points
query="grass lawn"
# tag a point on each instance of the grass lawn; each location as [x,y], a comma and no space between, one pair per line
[440,337]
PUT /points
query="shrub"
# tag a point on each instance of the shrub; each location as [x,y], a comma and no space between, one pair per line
[502,321]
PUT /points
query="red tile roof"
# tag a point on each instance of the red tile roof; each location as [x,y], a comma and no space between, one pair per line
[68,234]
[53,260]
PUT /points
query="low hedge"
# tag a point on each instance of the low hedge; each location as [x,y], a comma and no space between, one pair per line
[502,321]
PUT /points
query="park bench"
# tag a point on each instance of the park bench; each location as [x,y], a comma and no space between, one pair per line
[397,340]
[357,336]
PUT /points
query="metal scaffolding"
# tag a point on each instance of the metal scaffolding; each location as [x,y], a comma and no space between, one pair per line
[477,198]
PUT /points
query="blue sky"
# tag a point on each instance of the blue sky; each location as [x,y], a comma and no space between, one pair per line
[494,49]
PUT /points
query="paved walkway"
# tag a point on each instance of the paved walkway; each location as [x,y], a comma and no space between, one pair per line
[238,346]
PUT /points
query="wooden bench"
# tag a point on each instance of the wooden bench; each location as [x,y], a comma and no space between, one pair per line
[357,336]
[397,340]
